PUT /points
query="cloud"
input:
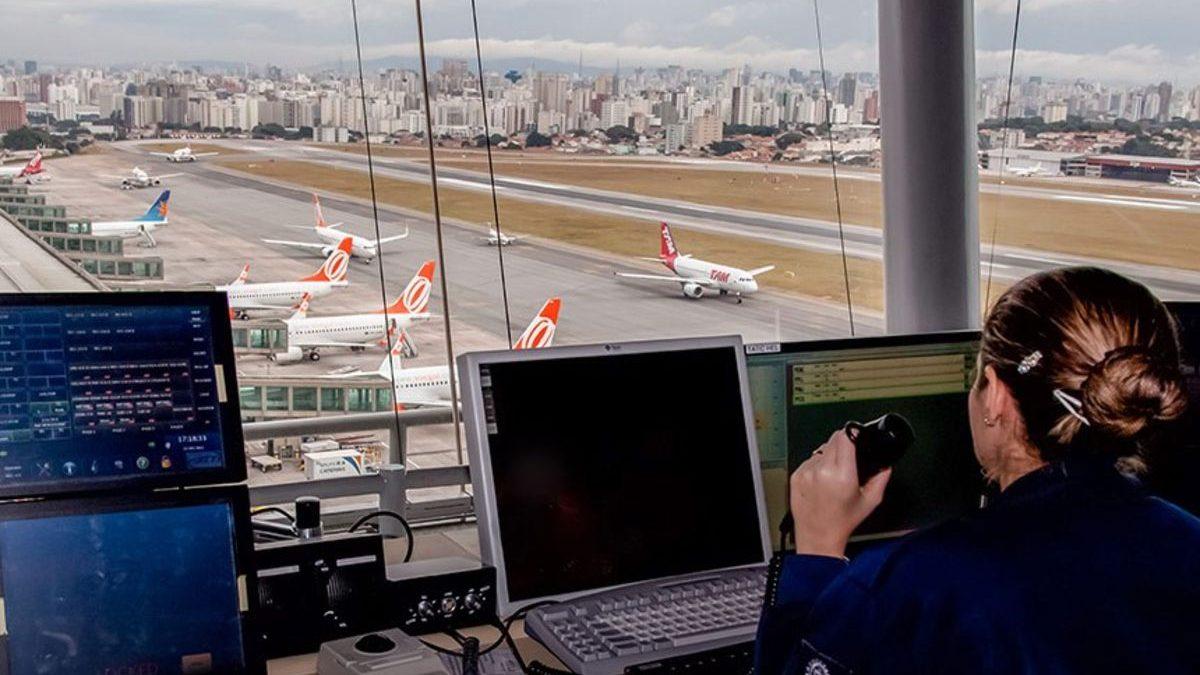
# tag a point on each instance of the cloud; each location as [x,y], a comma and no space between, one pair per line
[1130,63]
[641,32]
[1009,6]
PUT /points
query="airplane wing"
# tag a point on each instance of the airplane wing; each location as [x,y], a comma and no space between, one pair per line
[163,154]
[662,277]
[205,154]
[296,244]
[760,270]
[410,399]
[393,238]
[165,175]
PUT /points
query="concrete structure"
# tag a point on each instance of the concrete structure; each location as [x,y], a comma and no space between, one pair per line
[1133,167]
[12,113]
[27,264]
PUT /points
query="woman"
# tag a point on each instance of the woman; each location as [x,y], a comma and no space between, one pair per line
[1072,568]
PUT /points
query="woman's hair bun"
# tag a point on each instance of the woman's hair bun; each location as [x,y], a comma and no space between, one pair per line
[1132,389]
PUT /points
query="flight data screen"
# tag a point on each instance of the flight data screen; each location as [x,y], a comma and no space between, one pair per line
[95,392]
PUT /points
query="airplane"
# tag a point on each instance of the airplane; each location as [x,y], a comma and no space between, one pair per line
[275,295]
[143,226]
[307,335]
[495,238]
[430,385]
[1183,182]
[1027,171]
[183,154]
[695,276]
[32,171]
[330,235]
[138,178]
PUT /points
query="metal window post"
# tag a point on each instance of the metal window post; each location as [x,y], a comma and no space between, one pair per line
[930,176]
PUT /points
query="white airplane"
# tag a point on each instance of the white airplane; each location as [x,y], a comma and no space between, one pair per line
[32,171]
[183,154]
[330,235]
[430,385]
[496,238]
[143,227]
[1184,183]
[1028,171]
[696,276]
[308,335]
[283,294]
[138,178]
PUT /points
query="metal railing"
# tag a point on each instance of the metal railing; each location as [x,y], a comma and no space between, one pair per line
[393,481]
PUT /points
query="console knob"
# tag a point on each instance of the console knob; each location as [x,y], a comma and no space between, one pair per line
[449,604]
[425,609]
[473,602]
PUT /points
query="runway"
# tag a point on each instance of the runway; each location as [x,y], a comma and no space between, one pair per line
[1007,263]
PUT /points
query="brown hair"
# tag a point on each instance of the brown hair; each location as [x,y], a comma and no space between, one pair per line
[1098,338]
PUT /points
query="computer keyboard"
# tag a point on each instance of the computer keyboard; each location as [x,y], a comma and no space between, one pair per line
[605,633]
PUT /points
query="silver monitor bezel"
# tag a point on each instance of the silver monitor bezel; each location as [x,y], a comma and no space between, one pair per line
[475,430]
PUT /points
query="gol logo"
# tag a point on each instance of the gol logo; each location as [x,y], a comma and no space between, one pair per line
[335,267]
[416,296]
[538,335]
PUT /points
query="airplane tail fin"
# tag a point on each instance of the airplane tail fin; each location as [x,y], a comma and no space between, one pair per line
[336,266]
[242,276]
[415,298]
[667,251]
[394,361]
[320,215]
[302,309]
[157,212]
[34,166]
[540,332]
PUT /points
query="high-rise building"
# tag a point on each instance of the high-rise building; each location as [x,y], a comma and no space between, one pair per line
[1165,90]
[741,108]
[676,138]
[550,91]
[846,88]
[30,67]
[12,113]
[706,130]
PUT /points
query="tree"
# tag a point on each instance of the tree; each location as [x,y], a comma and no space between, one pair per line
[788,139]
[1146,147]
[27,138]
[619,133]
[753,130]
[722,148]
[536,140]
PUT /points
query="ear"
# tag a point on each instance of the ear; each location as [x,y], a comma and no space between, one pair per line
[998,401]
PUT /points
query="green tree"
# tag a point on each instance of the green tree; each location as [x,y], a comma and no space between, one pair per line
[722,148]
[27,138]
[536,140]
[620,133]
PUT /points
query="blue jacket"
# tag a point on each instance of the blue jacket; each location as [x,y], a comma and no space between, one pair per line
[1072,569]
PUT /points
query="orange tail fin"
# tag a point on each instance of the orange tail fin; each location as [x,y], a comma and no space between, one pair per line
[336,266]
[415,298]
[540,332]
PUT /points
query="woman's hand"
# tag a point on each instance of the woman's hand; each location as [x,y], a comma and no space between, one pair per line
[827,502]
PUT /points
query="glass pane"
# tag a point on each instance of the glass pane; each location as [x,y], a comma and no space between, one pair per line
[304,399]
[250,397]
[277,398]
[360,399]
[332,399]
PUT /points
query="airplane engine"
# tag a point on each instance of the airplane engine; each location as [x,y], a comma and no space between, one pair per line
[156,182]
[292,355]
[327,251]
[693,291]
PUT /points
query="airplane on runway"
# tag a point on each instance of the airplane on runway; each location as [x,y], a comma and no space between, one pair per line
[142,227]
[33,172]
[695,276]
[275,295]
[138,178]
[430,385]
[1184,183]
[308,335]
[330,235]
[183,154]
[1028,171]
[495,238]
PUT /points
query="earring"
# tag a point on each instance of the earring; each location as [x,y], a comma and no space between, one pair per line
[989,421]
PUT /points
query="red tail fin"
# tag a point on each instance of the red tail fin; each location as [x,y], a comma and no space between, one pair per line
[540,332]
[242,276]
[34,166]
[320,214]
[666,250]
[415,298]
[302,308]
[335,266]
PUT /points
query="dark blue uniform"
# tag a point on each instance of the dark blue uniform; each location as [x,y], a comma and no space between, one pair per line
[1072,569]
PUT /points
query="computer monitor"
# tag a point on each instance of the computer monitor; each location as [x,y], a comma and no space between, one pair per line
[156,583]
[804,391]
[604,465]
[1174,472]
[116,390]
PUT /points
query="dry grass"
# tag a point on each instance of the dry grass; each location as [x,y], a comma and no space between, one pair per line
[799,271]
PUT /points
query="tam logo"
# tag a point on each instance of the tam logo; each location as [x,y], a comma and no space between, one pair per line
[719,276]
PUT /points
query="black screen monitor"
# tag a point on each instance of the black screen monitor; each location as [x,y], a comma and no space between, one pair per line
[150,584]
[116,390]
[1174,473]
[603,465]
[804,391]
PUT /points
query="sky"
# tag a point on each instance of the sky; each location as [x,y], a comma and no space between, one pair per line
[1118,41]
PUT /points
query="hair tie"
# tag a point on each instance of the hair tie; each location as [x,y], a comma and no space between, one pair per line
[1073,405]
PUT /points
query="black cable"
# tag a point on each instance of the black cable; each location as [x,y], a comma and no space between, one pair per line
[272,509]
[470,656]
[408,531]
[1012,63]
[837,195]
[487,141]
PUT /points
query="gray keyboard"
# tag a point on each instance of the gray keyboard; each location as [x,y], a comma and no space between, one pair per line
[606,633]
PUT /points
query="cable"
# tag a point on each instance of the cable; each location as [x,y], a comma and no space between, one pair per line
[408,531]
[837,195]
[387,321]
[1012,63]
[487,141]
[273,509]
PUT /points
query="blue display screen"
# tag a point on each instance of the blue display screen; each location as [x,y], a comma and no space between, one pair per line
[150,592]
[94,392]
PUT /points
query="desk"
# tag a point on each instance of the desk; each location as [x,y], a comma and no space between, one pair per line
[306,664]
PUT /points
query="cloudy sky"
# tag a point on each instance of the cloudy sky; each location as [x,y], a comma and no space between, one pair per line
[1137,41]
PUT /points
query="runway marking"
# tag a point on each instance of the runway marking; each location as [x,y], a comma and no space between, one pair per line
[1124,202]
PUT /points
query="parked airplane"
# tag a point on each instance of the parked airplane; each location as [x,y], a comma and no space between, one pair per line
[1183,182]
[283,294]
[143,227]
[308,335]
[183,154]
[138,178]
[330,235]
[32,171]
[495,238]
[695,276]
[1028,171]
[430,385]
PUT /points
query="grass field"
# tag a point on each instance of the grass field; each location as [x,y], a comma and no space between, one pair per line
[798,271]
[1097,230]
